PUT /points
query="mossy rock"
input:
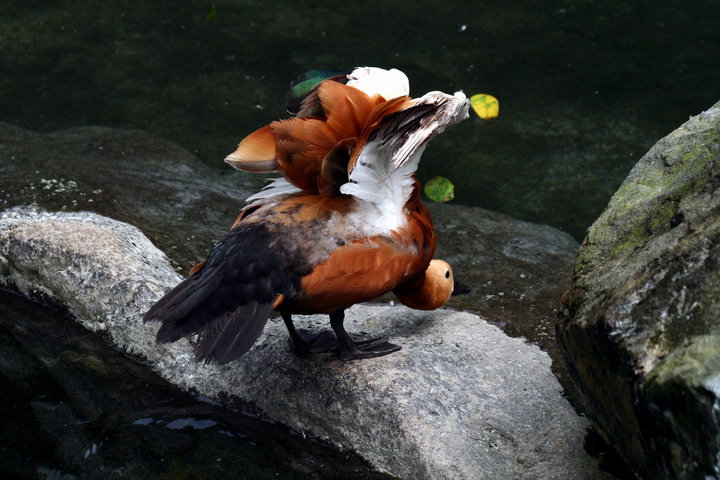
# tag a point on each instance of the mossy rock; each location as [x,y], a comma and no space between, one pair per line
[640,328]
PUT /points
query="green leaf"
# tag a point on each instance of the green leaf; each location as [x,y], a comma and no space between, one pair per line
[440,189]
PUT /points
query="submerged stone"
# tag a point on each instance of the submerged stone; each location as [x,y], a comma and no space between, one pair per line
[641,331]
[75,407]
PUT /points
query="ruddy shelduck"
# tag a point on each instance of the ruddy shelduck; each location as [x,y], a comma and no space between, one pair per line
[342,225]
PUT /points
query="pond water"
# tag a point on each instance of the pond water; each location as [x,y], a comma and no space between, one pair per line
[72,407]
[585,88]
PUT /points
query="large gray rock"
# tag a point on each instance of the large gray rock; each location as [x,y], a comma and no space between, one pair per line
[518,270]
[461,400]
[641,331]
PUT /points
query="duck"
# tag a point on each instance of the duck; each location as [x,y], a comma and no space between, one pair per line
[342,224]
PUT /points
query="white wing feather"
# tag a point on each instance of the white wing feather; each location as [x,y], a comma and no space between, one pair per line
[382,179]
[388,84]
[278,186]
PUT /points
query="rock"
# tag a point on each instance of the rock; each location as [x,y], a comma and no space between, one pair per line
[461,400]
[642,321]
[517,270]
[128,175]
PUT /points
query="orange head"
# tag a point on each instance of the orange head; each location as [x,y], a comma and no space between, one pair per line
[433,291]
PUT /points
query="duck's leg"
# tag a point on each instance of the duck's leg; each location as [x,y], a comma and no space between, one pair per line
[349,349]
[305,344]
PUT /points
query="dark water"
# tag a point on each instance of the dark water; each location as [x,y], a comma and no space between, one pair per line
[71,407]
[585,86]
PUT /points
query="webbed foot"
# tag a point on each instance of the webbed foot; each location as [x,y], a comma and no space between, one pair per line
[304,344]
[350,350]
[376,347]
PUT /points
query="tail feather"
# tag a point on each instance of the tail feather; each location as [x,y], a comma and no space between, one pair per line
[230,336]
[228,318]
[228,300]
[172,311]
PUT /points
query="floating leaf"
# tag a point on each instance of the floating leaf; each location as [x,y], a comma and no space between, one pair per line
[486,106]
[440,189]
[211,14]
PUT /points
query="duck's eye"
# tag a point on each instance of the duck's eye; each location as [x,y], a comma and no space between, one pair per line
[447,273]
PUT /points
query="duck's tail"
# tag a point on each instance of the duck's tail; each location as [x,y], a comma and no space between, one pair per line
[226,302]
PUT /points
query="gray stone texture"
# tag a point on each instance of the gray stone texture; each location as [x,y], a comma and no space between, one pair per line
[461,400]
[517,270]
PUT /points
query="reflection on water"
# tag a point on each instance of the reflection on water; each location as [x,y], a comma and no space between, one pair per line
[70,407]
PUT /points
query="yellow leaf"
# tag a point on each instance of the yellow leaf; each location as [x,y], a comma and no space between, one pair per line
[486,106]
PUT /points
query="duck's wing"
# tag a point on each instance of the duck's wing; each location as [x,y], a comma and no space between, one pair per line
[227,301]
[381,171]
[296,147]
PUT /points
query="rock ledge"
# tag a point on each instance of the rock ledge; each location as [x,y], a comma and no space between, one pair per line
[461,400]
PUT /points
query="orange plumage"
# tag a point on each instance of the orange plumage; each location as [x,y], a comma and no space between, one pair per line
[343,225]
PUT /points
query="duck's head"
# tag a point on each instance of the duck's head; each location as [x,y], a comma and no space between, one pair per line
[435,289]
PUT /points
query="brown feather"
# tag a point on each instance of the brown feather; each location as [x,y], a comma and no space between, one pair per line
[370,267]
[195,269]
[333,173]
[355,273]
[347,108]
[374,121]
[301,145]
[297,147]
[256,153]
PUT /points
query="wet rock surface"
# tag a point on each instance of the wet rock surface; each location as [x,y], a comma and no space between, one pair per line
[641,329]
[128,175]
[518,270]
[461,400]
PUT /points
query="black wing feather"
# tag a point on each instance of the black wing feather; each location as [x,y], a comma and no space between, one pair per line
[228,338]
[228,301]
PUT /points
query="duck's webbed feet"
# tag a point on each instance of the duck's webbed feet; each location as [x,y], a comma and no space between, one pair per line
[349,350]
[305,344]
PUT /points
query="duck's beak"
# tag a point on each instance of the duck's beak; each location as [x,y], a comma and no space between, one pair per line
[460,289]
